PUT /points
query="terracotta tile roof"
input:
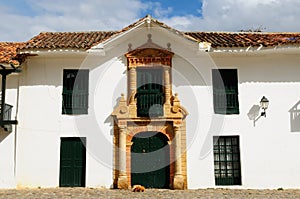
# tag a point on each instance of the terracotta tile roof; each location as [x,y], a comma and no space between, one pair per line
[8,52]
[86,40]
[82,40]
[65,40]
[242,39]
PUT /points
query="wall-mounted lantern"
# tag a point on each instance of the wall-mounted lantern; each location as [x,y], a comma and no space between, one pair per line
[264,103]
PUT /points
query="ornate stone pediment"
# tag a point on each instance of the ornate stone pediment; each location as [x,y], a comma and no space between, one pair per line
[149,54]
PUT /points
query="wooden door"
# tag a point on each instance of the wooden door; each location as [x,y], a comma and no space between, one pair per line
[150,160]
[72,162]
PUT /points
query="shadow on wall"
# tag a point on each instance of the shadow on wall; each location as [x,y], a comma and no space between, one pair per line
[254,113]
[295,117]
[3,135]
[110,119]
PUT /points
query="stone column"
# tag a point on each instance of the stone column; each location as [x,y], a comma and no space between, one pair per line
[122,178]
[178,182]
[132,84]
[167,84]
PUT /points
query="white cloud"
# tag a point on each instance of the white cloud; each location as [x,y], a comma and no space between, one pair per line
[158,10]
[69,15]
[84,15]
[235,15]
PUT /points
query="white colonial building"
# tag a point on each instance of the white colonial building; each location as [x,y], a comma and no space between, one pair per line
[151,105]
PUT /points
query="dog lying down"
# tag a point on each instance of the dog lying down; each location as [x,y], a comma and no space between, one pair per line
[138,188]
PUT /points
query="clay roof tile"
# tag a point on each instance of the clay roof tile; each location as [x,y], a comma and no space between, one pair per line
[8,52]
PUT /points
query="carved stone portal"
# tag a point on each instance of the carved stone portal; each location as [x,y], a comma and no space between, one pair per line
[128,124]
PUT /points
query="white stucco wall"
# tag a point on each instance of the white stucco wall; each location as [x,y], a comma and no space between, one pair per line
[7,179]
[7,139]
[269,149]
[42,125]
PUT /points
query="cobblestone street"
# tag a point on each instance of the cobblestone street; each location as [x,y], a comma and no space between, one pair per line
[85,193]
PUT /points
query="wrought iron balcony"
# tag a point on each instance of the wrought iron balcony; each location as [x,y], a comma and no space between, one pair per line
[6,122]
[7,112]
[226,102]
[75,102]
[150,104]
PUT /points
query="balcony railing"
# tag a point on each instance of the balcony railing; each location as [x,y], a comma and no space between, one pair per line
[7,112]
[75,102]
[6,122]
[150,104]
[226,102]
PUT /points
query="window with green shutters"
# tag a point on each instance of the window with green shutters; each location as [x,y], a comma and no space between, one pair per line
[227,160]
[225,91]
[75,91]
[150,96]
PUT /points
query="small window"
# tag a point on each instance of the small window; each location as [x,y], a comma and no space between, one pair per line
[75,91]
[227,160]
[225,91]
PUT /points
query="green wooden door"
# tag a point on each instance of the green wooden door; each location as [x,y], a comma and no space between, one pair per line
[72,162]
[150,160]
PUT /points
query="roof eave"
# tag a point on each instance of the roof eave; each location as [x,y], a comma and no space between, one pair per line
[55,51]
[257,49]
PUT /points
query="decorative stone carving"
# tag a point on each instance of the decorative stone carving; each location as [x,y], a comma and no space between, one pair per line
[149,54]
[127,123]
[132,99]
[122,109]
[177,108]
[149,57]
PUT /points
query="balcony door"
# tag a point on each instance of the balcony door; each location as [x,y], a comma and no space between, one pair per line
[150,95]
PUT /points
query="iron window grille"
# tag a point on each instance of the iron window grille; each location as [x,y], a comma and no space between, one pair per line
[227,164]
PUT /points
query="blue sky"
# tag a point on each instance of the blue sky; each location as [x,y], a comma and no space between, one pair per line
[23,19]
[177,7]
[15,6]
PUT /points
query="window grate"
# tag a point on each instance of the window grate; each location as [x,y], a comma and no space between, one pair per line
[227,160]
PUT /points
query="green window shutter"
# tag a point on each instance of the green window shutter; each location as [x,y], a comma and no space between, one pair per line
[225,91]
[227,160]
[75,91]
[150,95]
